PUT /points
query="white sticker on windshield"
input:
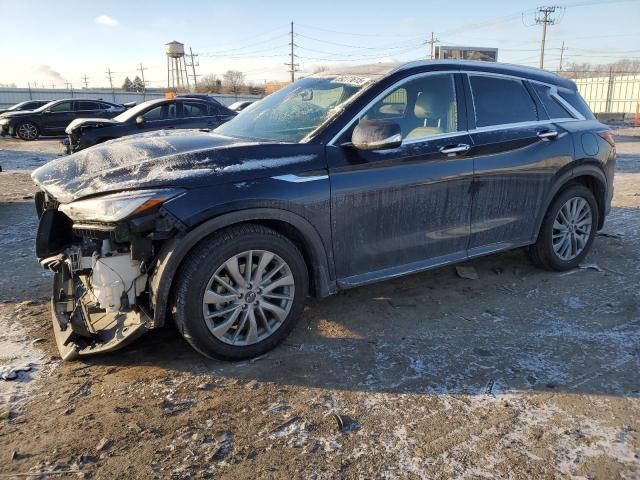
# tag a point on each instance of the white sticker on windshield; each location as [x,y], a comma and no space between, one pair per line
[355,80]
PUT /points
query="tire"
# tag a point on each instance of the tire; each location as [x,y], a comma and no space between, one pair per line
[221,336]
[543,253]
[27,131]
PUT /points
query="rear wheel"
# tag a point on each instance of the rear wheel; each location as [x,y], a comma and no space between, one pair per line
[567,231]
[240,293]
[27,131]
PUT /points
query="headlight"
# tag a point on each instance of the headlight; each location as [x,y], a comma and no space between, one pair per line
[117,206]
[4,121]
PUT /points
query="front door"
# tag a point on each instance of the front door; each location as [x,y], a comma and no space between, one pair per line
[405,209]
[58,117]
[163,116]
[516,150]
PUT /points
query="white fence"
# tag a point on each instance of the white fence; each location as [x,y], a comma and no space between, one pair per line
[11,96]
[611,94]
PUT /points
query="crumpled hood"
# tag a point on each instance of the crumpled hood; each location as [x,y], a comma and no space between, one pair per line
[183,158]
[89,122]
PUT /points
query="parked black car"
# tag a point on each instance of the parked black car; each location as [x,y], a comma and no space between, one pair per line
[53,117]
[338,180]
[241,105]
[148,116]
[26,105]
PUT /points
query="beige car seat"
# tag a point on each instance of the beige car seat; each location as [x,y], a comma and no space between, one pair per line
[437,113]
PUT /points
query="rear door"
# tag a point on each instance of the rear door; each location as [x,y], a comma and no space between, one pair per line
[197,115]
[89,109]
[517,150]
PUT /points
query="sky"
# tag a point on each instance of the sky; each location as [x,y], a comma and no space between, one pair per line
[55,42]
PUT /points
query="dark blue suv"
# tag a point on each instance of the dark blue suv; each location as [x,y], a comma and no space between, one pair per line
[338,180]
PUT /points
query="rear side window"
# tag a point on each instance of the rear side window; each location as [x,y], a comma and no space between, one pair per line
[553,107]
[89,106]
[194,109]
[576,101]
[499,101]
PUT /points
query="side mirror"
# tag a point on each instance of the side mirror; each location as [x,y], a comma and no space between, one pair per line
[139,120]
[376,135]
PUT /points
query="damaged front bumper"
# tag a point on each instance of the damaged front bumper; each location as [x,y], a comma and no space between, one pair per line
[81,326]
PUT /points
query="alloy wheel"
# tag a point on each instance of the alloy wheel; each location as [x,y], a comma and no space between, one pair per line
[248,297]
[27,131]
[572,228]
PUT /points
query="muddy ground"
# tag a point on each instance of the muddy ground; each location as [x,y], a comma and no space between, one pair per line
[520,374]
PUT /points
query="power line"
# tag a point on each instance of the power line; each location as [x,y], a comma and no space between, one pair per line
[432,43]
[545,16]
[292,63]
[144,83]
[109,76]
[193,66]
[562,49]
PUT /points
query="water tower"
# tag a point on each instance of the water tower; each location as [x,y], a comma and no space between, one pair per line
[177,77]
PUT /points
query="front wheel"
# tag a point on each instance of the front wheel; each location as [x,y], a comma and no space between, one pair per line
[567,231]
[240,293]
[27,131]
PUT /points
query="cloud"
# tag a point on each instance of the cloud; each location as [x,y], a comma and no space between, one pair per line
[51,73]
[107,21]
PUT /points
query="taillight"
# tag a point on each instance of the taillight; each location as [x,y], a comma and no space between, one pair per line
[608,136]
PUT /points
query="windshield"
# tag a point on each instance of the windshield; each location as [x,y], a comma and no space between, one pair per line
[135,111]
[16,106]
[292,113]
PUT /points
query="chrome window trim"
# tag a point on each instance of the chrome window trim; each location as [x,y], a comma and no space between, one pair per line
[488,128]
[386,92]
[566,105]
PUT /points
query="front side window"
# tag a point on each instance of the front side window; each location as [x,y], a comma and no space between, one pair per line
[553,107]
[500,101]
[161,112]
[290,114]
[423,107]
[61,107]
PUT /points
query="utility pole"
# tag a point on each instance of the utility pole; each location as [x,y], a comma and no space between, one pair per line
[110,77]
[562,49]
[144,84]
[85,80]
[193,66]
[432,43]
[292,64]
[545,16]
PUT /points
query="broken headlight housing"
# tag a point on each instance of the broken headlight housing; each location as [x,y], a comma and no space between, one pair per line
[117,206]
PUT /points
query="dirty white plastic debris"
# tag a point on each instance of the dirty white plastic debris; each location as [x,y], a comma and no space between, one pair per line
[11,372]
[590,266]
[467,272]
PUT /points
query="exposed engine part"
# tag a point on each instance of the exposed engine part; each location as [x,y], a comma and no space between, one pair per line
[114,281]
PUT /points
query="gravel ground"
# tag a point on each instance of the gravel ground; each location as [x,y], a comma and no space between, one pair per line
[520,374]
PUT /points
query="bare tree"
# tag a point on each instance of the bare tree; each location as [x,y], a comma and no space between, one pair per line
[233,81]
[320,69]
[209,84]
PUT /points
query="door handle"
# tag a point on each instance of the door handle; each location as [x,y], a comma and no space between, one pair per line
[453,149]
[547,135]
